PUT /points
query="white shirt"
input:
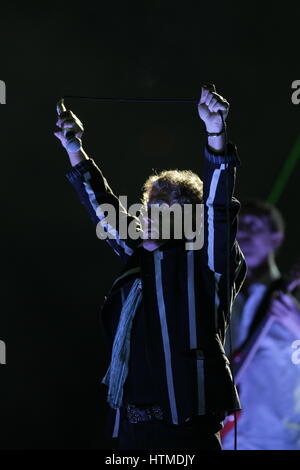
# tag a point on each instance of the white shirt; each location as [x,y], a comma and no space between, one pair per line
[270,388]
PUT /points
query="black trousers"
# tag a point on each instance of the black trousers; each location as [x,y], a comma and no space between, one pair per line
[200,433]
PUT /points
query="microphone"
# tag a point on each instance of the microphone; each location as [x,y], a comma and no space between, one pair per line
[73,142]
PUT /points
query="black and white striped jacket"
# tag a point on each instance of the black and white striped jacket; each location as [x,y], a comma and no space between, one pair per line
[177,359]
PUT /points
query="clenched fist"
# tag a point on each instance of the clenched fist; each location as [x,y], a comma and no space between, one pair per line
[209,106]
[67,121]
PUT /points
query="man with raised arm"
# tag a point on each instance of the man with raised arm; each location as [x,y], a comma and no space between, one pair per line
[168,382]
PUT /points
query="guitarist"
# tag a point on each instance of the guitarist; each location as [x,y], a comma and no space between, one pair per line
[270,385]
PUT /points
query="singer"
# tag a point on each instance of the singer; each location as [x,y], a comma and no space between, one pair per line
[168,382]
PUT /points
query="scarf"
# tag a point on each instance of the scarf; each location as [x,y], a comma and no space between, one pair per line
[118,369]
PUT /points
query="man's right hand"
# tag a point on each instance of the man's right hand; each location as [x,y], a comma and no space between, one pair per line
[67,121]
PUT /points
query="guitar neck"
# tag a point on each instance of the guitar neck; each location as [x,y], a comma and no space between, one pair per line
[243,359]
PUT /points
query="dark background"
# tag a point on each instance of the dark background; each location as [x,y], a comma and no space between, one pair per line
[55,271]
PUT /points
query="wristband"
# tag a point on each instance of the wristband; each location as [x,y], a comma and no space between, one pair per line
[213,134]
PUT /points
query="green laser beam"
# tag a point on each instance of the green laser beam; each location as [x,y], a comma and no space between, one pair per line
[285,173]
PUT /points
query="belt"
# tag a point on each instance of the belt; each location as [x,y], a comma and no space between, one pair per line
[137,414]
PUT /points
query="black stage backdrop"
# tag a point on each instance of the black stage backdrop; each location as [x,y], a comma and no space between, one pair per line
[55,271]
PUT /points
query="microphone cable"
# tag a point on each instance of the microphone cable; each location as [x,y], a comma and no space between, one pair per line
[228,266]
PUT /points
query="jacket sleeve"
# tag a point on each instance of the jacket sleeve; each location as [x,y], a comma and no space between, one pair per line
[104,208]
[220,222]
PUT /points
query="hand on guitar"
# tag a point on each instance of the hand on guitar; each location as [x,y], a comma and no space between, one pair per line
[286,310]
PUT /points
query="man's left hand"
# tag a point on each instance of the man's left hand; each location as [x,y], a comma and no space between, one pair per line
[209,106]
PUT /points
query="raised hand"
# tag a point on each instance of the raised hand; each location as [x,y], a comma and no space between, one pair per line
[209,106]
[67,121]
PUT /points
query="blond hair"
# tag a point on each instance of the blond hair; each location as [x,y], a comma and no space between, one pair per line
[176,186]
